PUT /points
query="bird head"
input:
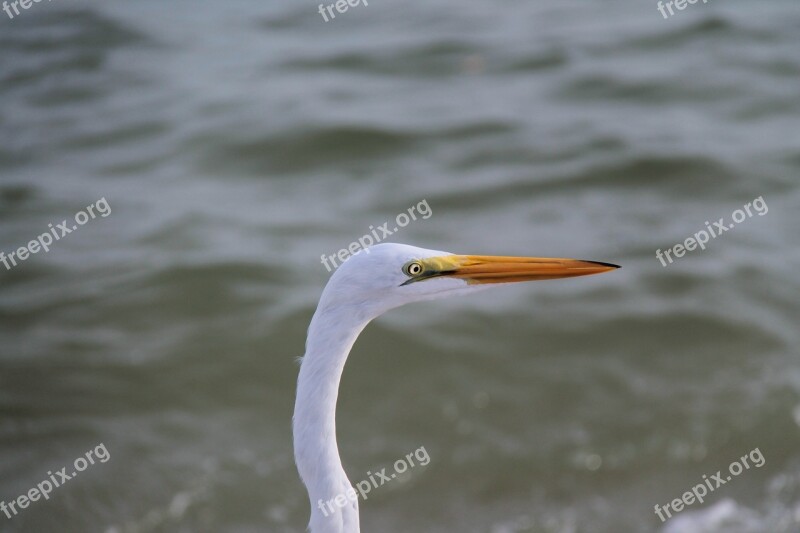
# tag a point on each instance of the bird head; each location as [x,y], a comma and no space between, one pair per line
[389,275]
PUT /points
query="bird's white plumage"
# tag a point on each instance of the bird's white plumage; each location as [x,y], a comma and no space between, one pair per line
[366,285]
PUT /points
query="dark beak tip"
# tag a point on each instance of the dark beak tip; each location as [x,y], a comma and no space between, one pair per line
[609,265]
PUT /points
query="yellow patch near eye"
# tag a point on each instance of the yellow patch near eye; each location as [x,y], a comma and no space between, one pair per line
[430,267]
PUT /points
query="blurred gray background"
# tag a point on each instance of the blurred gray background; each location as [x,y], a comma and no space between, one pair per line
[236,142]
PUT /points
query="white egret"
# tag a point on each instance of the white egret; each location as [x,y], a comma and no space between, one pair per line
[366,285]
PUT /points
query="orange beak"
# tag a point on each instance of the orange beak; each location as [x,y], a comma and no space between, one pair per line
[499,269]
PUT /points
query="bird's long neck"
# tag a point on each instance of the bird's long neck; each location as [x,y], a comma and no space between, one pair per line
[330,337]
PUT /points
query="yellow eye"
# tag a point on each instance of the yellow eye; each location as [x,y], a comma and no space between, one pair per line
[413,269]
